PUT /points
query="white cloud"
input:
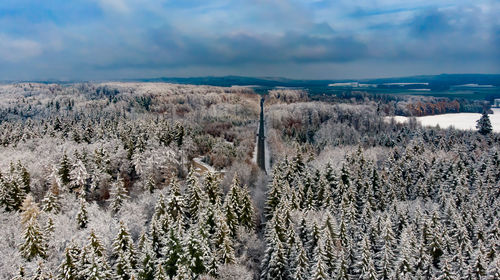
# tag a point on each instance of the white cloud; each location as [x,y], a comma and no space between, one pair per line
[116,6]
[14,49]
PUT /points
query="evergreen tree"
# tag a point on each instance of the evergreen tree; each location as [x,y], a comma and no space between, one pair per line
[195,197]
[96,268]
[146,267]
[173,251]
[160,273]
[119,195]
[64,169]
[13,190]
[50,202]
[385,255]
[212,188]
[277,266]
[124,253]
[175,205]
[78,177]
[223,242]
[301,264]
[21,275]
[319,269]
[484,124]
[33,238]
[247,210]
[82,217]
[41,273]
[196,249]
[68,269]
[366,267]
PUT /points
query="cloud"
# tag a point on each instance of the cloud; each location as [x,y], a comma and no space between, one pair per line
[117,38]
[18,50]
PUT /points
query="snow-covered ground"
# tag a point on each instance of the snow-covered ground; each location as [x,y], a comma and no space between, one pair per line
[458,121]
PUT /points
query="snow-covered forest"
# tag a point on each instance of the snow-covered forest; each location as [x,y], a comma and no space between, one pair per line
[104,181]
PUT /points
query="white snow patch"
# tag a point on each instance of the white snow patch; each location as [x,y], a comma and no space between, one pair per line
[466,121]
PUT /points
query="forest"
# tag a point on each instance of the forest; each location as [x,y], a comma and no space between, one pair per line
[151,180]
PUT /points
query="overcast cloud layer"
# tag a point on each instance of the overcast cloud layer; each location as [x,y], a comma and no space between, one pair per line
[114,39]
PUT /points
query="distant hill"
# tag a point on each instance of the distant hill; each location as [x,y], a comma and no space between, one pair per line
[442,81]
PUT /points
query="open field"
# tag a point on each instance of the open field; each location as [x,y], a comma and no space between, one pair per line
[458,120]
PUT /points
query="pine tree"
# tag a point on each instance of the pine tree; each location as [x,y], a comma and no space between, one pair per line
[319,269]
[301,264]
[50,202]
[247,211]
[196,248]
[21,274]
[223,242]
[195,197]
[172,251]
[96,268]
[78,177]
[277,266]
[175,205]
[33,238]
[212,188]
[366,267]
[146,266]
[13,190]
[484,124]
[124,253]
[82,217]
[68,269]
[41,273]
[160,273]
[64,169]
[119,195]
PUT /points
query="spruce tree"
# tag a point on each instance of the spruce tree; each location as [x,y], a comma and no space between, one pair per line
[41,273]
[96,268]
[64,169]
[21,274]
[160,273]
[173,251]
[124,253]
[82,217]
[175,205]
[484,124]
[33,244]
[366,266]
[195,197]
[196,250]
[212,188]
[146,264]
[119,195]
[50,202]
[247,210]
[319,269]
[78,177]
[68,269]
[301,264]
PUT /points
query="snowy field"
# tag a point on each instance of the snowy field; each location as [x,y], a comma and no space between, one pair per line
[458,121]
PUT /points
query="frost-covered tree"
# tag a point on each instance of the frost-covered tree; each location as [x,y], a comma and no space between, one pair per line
[50,202]
[82,217]
[484,124]
[118,196]
[34,243]
[124,254]
[68,270]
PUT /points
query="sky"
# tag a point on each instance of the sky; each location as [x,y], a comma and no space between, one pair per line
[308,39]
